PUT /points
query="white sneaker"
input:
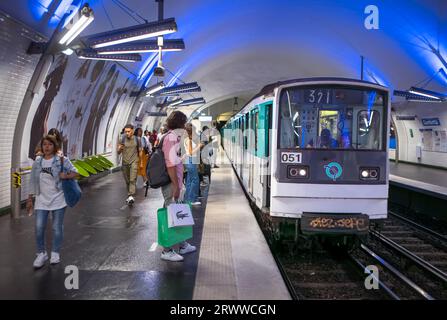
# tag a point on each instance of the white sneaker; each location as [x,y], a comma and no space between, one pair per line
[196,203]
[130,200]
[55,258]
[187,248]
[171,255]
[40,260]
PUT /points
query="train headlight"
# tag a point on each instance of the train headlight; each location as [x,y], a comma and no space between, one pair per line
[365,174]
[369,173]
[297,172]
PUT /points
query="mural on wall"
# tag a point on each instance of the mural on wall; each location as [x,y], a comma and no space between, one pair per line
[81,99]
[119,93]
[52,85]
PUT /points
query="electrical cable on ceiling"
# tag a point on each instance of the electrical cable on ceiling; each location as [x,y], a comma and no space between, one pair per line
[129,11]
[107,15]
[425,81]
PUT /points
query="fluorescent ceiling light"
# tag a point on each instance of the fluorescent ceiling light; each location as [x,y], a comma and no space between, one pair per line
[157,87]
[415,97]
[91,54]
[193,101]
[83,19]
[182,88]
[134,33]
[424,93]
[175,102]
[144,46]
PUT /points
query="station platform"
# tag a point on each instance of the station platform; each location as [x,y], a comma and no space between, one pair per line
[426,180]
[115,249]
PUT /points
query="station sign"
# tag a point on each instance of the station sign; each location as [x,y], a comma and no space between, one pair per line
[431,121]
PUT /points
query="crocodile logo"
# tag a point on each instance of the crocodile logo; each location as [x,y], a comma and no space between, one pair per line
[333,170]
[181,215]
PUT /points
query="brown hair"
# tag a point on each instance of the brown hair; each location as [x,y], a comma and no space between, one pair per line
[176,120]
[52,139]
[188,128]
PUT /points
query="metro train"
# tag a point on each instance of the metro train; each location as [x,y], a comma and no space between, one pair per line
[312,155]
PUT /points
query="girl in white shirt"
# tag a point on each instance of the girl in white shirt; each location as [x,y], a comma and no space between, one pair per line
[46,184]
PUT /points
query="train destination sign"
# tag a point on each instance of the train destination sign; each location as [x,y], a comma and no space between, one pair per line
[331,223]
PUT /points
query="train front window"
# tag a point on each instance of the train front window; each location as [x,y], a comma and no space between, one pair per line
[331,118]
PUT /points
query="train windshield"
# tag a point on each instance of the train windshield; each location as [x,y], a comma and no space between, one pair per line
[332,117]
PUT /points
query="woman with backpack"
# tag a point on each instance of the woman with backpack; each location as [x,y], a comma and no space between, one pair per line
[46,184]
[170,144]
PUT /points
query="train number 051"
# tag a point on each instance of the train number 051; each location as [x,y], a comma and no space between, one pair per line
[290,157]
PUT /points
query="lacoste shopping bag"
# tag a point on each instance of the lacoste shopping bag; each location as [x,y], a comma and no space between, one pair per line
[179,214]
[168,237]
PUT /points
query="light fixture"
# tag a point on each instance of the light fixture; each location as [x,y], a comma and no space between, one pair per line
[134,33]
[144,46]
[425,93]
[174,102]
[193,101]
[182,88]
[68,52]
[235,105]
[77,24]
[415,97]
[156,87]
[91,54]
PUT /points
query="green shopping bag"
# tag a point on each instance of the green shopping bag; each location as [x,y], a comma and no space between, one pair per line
[169,236]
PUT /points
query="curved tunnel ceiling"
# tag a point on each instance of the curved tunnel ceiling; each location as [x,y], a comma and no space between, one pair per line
[234,48]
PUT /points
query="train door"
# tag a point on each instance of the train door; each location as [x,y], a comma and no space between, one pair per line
[252,149]
[262,145]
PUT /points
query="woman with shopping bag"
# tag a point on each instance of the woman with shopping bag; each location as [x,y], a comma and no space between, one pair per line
[170,145]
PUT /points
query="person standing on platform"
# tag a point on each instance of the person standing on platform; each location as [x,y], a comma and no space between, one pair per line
[191,160]
[130,147]
[46,184]
[171,192]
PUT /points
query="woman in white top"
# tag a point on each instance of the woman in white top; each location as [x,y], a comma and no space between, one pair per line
[46,184]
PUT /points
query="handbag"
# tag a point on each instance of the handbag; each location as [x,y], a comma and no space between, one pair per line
[168,237]
[72,191]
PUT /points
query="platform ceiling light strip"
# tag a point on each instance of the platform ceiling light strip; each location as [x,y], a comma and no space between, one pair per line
[134,33]
[144,46]
[86,54]
[192,101]
[414,97]
[425,93]
[83,19]
[155,88]
[182,88]
[174,102]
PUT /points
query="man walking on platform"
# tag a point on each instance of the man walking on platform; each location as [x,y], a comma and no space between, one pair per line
[130,147]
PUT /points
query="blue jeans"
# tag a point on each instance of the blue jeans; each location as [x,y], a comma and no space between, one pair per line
[58,229]
[192,183]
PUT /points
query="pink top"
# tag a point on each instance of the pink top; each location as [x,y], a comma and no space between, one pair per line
[171,147]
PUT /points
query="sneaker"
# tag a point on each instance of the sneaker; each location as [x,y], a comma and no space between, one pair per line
[196,203]
[55,258]
[187,248]
[171,255]
[40,260]
[130,200]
